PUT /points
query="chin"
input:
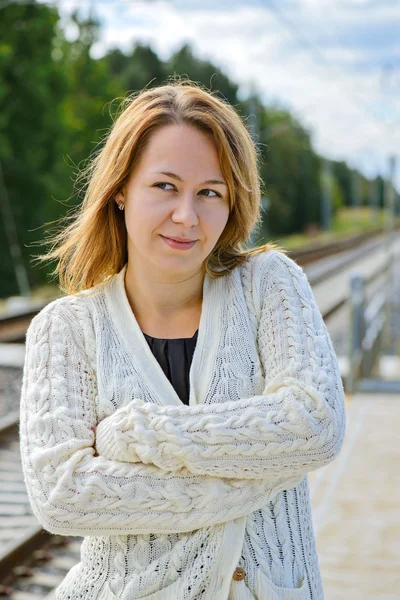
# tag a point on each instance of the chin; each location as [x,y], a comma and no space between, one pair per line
[178,264]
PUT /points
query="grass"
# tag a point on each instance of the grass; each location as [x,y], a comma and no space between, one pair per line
[346,222]
[46,292]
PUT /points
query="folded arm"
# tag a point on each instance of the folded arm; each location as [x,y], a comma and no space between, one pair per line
[297,425]
[74,492]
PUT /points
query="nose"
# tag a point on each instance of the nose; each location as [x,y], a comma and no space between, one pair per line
[185,211]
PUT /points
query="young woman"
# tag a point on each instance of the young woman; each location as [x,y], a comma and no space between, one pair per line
[175,398]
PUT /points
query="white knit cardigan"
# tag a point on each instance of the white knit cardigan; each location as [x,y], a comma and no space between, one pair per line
[171,499]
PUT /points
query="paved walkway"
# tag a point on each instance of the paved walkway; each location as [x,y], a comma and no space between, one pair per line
[12,355]
[356,504]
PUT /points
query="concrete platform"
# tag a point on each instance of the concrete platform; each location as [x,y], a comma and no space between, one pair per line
[12,355]
[19,305]
[356,504]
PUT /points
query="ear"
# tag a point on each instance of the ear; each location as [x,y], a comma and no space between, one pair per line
[119,197]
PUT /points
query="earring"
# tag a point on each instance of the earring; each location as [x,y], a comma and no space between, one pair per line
[121,206]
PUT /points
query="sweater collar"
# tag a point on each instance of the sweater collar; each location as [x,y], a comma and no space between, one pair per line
[137,348]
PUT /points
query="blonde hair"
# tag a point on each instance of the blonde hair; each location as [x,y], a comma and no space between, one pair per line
[94,246]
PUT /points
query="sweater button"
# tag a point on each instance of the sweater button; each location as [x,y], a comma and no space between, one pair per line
[239,574]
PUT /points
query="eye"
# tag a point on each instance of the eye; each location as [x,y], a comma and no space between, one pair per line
[217,194]
[160,185]
[163,183]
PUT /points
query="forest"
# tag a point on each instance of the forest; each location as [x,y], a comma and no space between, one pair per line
[58,102]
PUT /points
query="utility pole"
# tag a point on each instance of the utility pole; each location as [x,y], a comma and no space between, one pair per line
[254,130]
[374,199]
[253,114]
[355,193]
[389,200]
[265,204]
[327,194]
[12,237]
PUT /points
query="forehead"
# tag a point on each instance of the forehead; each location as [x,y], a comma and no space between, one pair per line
[184,147]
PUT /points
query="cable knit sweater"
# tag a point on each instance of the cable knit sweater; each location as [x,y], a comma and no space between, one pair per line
[208,501]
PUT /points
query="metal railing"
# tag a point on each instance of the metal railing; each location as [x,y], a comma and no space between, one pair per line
[370,332]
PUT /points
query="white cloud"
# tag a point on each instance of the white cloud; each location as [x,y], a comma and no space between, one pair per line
[328,73]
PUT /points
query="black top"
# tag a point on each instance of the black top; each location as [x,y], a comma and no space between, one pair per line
[175,357]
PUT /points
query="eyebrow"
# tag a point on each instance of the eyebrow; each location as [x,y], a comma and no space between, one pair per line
[209,181]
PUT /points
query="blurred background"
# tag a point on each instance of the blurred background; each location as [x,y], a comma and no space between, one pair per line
[317,83]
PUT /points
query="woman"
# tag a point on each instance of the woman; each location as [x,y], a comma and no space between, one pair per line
[175,398]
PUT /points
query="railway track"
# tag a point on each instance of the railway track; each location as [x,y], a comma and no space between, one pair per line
[316,251]
[13,325]
[33,562]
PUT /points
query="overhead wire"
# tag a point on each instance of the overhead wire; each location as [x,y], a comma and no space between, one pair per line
[316,54]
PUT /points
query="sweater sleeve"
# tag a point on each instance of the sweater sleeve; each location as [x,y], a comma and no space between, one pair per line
[74,492]
[298,423]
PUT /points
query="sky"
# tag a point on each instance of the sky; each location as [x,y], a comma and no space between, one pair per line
[335,64]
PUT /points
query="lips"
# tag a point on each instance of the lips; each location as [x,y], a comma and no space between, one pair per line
[173,243]
[177,239]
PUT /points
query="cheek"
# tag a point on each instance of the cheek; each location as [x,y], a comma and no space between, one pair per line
[219,220]
[142,219]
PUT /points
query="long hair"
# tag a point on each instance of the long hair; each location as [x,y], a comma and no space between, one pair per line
[93,246]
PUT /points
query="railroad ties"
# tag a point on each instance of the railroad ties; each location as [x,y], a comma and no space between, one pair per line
[33,562]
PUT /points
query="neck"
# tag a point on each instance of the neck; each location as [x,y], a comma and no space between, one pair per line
[150,294]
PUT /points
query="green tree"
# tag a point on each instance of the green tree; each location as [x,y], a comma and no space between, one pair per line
[86,109]
[183,62]
[290,171]
[32,86]
[142,68]
[344,177]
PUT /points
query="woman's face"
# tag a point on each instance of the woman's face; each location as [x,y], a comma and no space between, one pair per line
[176,190]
